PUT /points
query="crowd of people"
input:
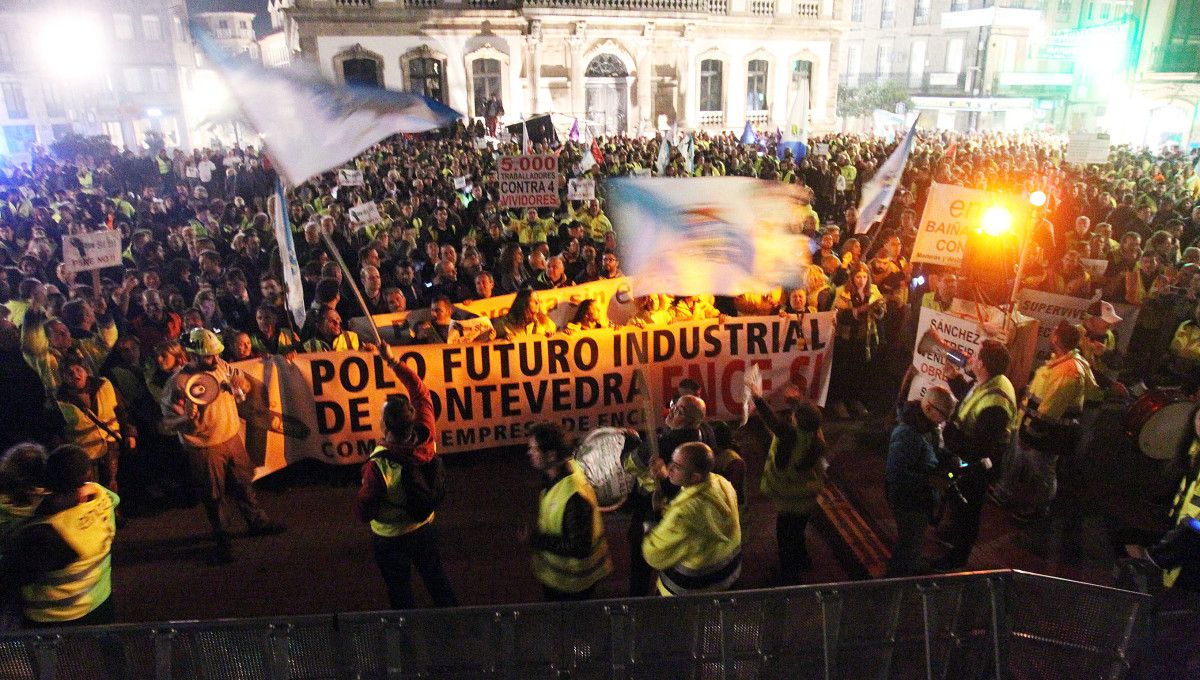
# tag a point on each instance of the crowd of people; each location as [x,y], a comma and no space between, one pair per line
[114,363]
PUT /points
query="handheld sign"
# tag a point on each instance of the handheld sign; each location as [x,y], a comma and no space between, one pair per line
[95,250]
[460,183]
[528,181]
[350,178]
[365,213]
[579,189]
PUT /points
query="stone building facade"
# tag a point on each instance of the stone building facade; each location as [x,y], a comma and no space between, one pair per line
[624,65]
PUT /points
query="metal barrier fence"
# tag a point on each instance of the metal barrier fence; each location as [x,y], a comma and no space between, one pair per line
[999,624]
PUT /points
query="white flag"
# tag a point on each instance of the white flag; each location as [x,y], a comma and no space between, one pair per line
[664,155]
[310,125]
[878,191]
[293,283]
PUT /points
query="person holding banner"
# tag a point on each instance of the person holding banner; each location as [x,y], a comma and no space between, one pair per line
[401,486]
[328,335]
[570,553]
[860,306]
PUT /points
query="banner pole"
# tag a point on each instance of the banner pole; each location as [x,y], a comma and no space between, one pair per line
[362,302]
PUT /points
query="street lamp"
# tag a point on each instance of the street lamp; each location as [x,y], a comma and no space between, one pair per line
[71,45]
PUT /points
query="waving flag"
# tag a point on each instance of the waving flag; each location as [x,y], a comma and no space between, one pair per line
[688,150]
[879,190]
[310,125]
[709,236]
[748,136]
[664,155]
[795,137]
[293,283]
[573,135]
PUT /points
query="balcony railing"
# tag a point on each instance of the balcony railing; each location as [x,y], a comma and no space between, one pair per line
[712,119]
[808,9]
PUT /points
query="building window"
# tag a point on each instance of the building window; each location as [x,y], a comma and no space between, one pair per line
[856,10]
[426,78]
[19,138]
[242,25]
[756,85]
[54,103]
[958,5]
[887,13]
[883,60]
[954,55]
[6,62]
[151,27]
[916,62]
[14,100]
[853,63]
[123,26]
[159,82]
[921,13]
[133,80]
[1063,11]
[222,23]
[177,23]
[606,66]
[361,72]
[710,85]
[485,78]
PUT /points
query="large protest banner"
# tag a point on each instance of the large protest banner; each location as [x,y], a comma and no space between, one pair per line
[528,181]
[962,335]
[1051,308]
[950,213]
[326,405]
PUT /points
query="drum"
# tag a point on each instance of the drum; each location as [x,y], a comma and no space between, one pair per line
[1158,419]
[599,455]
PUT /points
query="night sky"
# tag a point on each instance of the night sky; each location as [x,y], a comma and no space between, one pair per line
[262,23]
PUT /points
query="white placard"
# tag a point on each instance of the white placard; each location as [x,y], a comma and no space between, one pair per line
[365,213]
[350,178]
[962,335]
[460,183]
[1095,267]
[466,331]
[1088,147]
[580,189]
[95,250]
[529,181]
[821,150]
[950,212]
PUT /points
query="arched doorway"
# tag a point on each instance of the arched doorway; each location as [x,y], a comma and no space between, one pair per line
[607,93]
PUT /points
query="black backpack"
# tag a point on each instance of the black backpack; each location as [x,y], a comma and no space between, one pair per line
[424,486]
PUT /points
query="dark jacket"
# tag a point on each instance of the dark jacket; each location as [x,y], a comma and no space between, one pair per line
[912,456]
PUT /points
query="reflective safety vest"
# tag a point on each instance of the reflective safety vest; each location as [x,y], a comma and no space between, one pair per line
[570,574]
[79,588]
[1186,506]
[164,165]
[790,488]
[996,392]
[346,341]
[83,432]
[393,518]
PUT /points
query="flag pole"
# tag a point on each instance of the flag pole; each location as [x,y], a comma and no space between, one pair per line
[362,302]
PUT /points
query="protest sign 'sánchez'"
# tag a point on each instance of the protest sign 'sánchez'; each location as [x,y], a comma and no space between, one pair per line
[579,189]
[528,181]
[962,335]
[94,250]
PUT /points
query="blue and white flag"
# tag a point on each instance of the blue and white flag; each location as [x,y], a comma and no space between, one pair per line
[664,155]
[310,125]
[879,190]
[748,136]
[688,150]
[292,282]
[710,235]
[795,137]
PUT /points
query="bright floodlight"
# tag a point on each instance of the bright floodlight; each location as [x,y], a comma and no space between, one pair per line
[1037,199]
[71,45]
[996,221]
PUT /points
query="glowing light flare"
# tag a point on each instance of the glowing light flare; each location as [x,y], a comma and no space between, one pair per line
[71,45]
[996,221]
[1037,199]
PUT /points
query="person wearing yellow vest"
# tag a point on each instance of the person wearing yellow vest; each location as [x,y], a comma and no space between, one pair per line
[793,477]
[62,558]
[697,546]
[398,494]
[199,402]
[1053,403]
[1178,553]
[328,335]
[96,421]
[1183,358]
[979,433]
[943,295]
[1098,346]
[570,553]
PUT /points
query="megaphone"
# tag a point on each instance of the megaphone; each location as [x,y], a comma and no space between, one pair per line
[931,344]
[201,389]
